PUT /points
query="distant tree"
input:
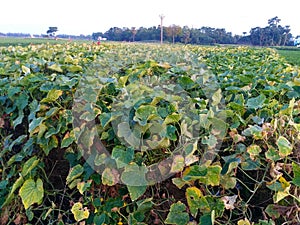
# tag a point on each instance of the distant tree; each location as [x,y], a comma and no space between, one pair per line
[173,31]
[97,35]
[133,31]
[186,34]
[51,31]
[271,35]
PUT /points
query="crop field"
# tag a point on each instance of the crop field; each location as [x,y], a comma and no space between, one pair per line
[7,41]
[126,133]
[292,55]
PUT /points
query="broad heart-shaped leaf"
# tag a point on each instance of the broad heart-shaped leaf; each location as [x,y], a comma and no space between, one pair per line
[296,171]
[79,213]
[31,192]
[284,146]
[177,214]
[209,175]
[255,131]
[193,195]
[273,211]
[52,96]
[129,136]
[74,173]
[257,102]
[136,191]
[134,175]
[206,219]
[143,113]
[122,155]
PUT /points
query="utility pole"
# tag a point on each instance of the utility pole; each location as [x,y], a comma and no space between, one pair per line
[161,16]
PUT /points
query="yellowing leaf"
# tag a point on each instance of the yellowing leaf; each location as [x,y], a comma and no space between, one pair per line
[31,192]
[193,195]
[177,164]
[25,70]
[56,68]
[79,213]
[244,222]
[254,151]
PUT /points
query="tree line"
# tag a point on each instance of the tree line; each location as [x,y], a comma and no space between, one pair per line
[272,35]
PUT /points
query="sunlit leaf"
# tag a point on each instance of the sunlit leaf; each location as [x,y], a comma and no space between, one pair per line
[284,146]
[55,67]
[74,173]
[31,192]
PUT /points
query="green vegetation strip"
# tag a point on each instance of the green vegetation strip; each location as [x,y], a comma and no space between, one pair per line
[148,134]
[292,55]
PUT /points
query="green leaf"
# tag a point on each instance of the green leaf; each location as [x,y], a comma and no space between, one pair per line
[128,135]
[272,154]
[272,211]
[35,123]
[206,220]
[74,173]
[296,171]
[254,131]
[177,214]
[257,102]
[19,119]
[171,133]
[209,175]
[79,213]
[31,192]
[123,157]
[186,82]
[136,191]
[29,165]
[68,139]
[143,113]
[284,146]
[134,175]
[51,144]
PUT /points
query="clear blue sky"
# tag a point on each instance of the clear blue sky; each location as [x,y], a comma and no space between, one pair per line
[86,17]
